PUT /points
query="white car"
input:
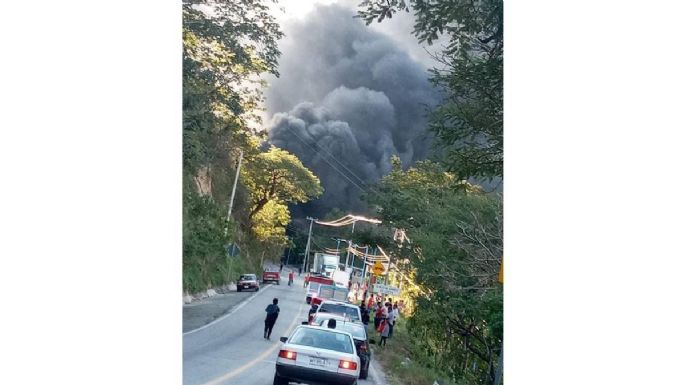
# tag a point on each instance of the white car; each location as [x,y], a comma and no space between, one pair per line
[317,355]
[343,309]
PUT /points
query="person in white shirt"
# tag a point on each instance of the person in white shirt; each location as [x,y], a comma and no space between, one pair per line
[395,316]
[391,318]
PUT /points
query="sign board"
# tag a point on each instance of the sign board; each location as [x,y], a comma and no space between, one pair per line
[232,250]
[378,268]
[387,290]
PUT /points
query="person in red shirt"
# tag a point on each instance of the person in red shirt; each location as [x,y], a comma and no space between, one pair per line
[378,316]
[291,276]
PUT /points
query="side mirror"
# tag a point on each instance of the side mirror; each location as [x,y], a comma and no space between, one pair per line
[372,341]
[284,339]
[305,323]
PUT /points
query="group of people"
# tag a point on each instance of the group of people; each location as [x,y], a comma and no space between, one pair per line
[385,316]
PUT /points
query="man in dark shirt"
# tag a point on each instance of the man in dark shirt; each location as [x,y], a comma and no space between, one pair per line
[271,315]
[365,315]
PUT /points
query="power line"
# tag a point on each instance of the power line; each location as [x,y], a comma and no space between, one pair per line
[331,155]
[340,163]
[329,163]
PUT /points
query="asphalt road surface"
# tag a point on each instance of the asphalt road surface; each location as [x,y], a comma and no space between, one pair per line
[232,350]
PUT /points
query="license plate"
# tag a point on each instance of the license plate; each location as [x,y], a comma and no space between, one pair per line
[317,361]
[246,286]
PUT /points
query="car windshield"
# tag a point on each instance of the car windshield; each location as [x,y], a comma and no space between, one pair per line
[321,318]
[314,286]
[341,309]
[248,277]
[356,330]
[323,339]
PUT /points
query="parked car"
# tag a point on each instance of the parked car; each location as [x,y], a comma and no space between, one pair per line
[316,319]
[271,276]
[248,282]
[341,308]
[359,334]
[316,355]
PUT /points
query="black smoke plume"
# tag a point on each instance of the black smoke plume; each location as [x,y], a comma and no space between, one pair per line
[347,100]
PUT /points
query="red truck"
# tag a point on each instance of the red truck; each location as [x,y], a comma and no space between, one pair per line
[271,276]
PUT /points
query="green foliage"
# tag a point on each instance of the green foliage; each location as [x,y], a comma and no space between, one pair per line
[408,365]
[269,223]
[277,175]
[227,45]
[456,249]
[468,123]
[204,257]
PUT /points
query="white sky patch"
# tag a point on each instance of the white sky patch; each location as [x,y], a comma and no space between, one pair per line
[298,9]
[398,28]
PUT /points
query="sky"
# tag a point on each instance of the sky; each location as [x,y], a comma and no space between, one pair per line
[349,97]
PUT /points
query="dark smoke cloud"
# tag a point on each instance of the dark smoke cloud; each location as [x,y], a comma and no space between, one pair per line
[348,98]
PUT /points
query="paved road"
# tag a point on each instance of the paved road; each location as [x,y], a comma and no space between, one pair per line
[232,349]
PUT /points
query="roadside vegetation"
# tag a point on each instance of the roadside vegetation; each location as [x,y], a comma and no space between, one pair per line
[226,48]
[403,365]
[454,325]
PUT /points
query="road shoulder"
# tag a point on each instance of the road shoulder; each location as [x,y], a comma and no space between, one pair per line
[201,313]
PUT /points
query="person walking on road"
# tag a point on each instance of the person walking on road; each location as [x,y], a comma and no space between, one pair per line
[271,316]
[291,277]
[281,268]
[306,280]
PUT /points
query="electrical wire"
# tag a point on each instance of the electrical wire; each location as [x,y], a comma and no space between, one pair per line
[329,163]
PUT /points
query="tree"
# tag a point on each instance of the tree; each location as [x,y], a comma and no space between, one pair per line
[468,123]
[277,175]
[269,223]
[227,45]
[456,249]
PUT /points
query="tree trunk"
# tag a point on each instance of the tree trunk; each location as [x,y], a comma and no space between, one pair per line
[259,206]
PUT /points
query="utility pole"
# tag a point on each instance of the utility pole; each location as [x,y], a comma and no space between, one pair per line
[352,264]
[235,184]
[306,250]
[349,244]
[347,257]
[288,257]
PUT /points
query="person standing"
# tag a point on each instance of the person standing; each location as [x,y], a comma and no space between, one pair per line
[365,315]
[378,316]
[291,277]
[391,320]
[271,316]
[281,268]
[385,332]
[312,312]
